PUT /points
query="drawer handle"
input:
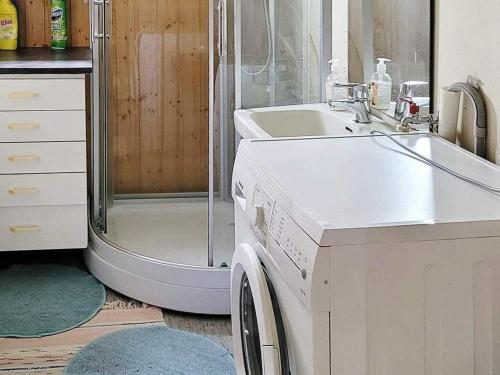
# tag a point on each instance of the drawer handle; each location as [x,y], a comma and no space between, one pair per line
[26,228]
[27,126]
[15,158]
[23,95]
[24,191]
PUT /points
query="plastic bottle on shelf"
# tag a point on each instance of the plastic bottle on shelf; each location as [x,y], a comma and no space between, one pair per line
[381,86]
[59,24]
[8,26]
[333,93]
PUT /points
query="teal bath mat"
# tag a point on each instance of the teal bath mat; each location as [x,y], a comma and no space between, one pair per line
[152,351]
[42,300]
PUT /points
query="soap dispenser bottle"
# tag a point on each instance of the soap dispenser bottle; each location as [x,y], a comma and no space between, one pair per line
[381,86]
[333,93]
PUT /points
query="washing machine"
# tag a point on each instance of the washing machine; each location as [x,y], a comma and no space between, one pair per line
[356,257]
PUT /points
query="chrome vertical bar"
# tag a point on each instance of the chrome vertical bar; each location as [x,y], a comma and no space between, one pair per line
[223,103]
[306,46]
[211,148]
[107,26]
[272,70]
[96,39]
[237,52]
[368,55]
[326,44]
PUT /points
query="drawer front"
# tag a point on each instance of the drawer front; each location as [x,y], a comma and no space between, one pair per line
[49,157]
[41,228]
[43,189]
[42,126]
[42,94]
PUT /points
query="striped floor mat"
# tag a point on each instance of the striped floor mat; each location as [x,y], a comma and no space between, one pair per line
[50,355]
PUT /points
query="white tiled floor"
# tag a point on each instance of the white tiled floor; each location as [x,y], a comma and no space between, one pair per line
[175,232]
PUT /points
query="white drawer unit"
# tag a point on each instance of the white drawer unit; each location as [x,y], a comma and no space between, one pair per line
[42,126]
[43,180]
[56,189]
[43,227]
[44,157]
[42,94]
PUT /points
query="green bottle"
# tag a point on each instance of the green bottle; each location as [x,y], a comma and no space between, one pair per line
[59,24]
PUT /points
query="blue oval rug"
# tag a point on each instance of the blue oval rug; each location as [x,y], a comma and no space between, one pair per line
[152,351]
[42,300]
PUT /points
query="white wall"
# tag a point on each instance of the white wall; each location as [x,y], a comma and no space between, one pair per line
[468,42]
[340,31]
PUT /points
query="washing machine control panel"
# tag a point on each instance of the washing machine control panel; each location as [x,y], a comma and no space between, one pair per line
[284,231]
[304,265]
[260,214]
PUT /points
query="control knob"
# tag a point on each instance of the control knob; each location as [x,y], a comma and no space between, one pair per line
[258,216]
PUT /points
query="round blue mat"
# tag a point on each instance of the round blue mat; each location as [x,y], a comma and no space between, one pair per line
[42,300]
[152,351]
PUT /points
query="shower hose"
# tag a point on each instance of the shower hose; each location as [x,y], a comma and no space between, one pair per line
[438,165]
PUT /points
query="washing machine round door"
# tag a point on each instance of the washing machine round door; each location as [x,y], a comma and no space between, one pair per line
[258,333]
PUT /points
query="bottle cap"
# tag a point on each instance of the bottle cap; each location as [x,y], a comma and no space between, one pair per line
[335,65]
[381,67]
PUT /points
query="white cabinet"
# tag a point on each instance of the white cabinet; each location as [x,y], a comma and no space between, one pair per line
[53,189]
[27,94]
[43,227]
[43,180]
[42,157]
[42,126]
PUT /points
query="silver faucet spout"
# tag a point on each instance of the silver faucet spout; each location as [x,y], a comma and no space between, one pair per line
[358,101]
[405,96]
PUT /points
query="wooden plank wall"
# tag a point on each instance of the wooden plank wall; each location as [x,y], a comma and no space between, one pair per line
[158,88]
[159,96]
[34,23]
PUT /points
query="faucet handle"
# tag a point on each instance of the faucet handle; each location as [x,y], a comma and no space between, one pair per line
[349,84]
[355,91]
[406,88]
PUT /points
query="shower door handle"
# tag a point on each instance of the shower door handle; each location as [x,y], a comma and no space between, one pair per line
[99,19]
[221,37]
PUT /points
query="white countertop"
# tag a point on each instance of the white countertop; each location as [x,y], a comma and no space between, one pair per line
[369,182]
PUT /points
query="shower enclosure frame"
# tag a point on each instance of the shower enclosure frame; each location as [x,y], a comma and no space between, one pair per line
[326,48]
[181,287]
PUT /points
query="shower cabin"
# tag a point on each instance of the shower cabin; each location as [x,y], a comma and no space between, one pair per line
[168,75]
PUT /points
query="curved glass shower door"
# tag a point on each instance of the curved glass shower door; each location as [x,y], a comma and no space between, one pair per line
[282,49]
[165,146]
[169,74]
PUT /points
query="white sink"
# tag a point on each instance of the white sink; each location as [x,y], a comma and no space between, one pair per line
[308,120]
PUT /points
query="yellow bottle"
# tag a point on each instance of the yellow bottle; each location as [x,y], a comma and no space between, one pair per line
[8,26]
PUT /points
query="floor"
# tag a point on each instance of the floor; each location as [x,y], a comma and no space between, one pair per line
[173,232]
[50,355]
[216,328]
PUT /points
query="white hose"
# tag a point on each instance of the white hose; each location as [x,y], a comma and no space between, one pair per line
[440,166]
[269,42]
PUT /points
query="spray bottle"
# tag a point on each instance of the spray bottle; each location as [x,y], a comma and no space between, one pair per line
[59,24]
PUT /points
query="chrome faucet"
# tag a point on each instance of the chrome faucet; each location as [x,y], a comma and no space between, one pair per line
[415,118]
[358,101]
[405,98]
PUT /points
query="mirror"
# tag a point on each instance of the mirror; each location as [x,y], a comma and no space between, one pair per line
[401,31]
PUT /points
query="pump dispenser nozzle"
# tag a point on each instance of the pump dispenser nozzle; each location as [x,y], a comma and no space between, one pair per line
[381,67]
[335,65]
